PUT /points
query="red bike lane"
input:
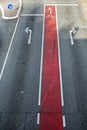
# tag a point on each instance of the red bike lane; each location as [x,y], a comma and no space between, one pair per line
[51,109]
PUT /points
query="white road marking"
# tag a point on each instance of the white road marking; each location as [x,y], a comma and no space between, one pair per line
[38,118]
[55,4]
[9,48]
[28,30]
[63,4]
[50,10]
[30,34]
[71,38]
[64,121]
[72,33]
[32,15]
[61,85]
[40,80]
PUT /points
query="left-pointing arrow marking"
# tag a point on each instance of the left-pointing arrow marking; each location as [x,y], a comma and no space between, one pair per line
[29,31]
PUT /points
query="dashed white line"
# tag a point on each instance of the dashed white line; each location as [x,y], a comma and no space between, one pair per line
[61,84]
[9,48]
[38,118]
[64,121]
[40,80]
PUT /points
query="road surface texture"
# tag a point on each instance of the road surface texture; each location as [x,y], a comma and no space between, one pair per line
[43,68]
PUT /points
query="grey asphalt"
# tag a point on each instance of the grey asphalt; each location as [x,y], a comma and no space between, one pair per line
[19,85]
[74,68]
[6,31]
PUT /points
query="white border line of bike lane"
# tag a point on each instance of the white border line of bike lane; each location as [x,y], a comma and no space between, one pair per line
[60,70]
[59,59]
[40,80]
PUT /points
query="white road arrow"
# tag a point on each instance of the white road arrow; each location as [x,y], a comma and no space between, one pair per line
[50,10]
[29,31]
[72,33]
[71,37]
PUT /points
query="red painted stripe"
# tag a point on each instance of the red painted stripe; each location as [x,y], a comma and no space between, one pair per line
[51,110]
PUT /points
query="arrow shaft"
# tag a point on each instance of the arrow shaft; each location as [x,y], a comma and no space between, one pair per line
[72,42]
[30,34]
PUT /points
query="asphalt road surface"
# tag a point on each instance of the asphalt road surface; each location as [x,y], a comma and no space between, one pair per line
[21,67]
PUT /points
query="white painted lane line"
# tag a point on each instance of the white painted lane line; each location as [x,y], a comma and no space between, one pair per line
[59,58]
[38,118]
[54,4]
[32,15]
[40,80]
[63,4]
[64,121]
[9,48]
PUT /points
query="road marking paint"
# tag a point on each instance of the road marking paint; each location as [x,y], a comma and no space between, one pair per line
[29,39]
[71,38]
[61,82]
[9,48]
[64,121]
[50,10]
[32,15]
[28,30]
[38,118]
[72,33]
[40,80]
[51,109]
[55,4]
[63,4]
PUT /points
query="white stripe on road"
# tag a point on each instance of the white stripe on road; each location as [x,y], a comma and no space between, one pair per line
[64,121]
[32,15]
[38,118]
[59,59]
[9,48]
[56,4]
[40,80]
[63,4]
